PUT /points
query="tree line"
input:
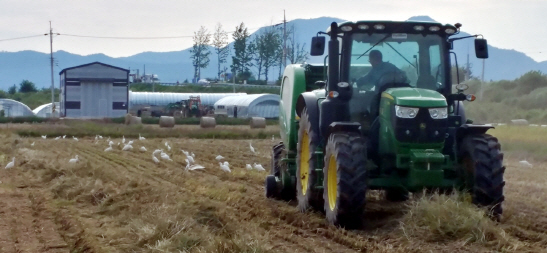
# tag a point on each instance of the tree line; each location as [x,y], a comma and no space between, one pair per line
[253,58]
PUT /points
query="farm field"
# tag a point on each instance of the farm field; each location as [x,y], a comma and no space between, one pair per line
[121,201]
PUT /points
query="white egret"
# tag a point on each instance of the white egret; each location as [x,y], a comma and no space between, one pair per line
[155,159]
[44,136]
[127,147]
[64,136]
[526,163]
[190,159]
[224,167]
[185,152]
[258,167]
[219,157]
[143,149]
[165,156]
[195,167]
[249,167]
[108,149]
[141,138]
[193,155]
[32,145]
[123,139]
[74,160]
[226,163]
[273,138]
[100,137]
[168,148]
[76,139]
[110,143]
[166,144]
[58,137]
[130,143]
[251,148]
[10,164]
[96,137]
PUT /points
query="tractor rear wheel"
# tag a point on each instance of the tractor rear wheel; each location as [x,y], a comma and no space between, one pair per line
[345,178]
[306,176]
[482,162]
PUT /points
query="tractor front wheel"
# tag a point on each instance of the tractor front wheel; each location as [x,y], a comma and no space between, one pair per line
[345,179]
[482,162]
[307,195]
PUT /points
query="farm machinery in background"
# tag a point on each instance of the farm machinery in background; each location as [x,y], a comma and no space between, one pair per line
[406,132]
[187,108]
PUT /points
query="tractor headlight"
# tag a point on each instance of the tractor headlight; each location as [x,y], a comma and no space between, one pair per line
[438,113]
[406,112]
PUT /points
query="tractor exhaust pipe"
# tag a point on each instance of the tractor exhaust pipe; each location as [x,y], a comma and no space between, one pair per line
[334,65]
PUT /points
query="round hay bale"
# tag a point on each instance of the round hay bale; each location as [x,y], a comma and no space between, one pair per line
[134,120]
[258,122]
[519,122]
[127,118]
[207,122]
[166,121]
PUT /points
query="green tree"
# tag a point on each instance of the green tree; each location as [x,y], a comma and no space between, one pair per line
[200,51]
[269,46]
[241,61]
[220,43]
[12,90]
[27,86]
[296,52]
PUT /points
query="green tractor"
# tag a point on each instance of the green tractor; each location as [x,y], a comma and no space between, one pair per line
[351,124]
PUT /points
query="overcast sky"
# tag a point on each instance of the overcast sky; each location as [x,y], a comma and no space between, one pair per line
[508,24]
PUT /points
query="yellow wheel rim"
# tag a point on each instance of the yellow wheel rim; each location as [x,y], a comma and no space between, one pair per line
[304,163]
[332,182]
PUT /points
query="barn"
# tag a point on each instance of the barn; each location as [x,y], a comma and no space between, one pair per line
[94,90]
[255,105]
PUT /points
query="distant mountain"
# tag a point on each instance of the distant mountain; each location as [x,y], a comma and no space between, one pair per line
[177,66]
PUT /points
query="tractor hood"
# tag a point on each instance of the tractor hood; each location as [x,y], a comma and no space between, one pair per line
[416,97]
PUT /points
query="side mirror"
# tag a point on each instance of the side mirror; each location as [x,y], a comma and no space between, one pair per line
[481,48]
[317,46]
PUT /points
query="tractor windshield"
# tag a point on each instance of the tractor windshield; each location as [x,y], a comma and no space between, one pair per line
[419,57]
[407,60]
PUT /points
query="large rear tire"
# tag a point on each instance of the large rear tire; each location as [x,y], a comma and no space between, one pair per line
[345,178]
[306,177]
[482,162]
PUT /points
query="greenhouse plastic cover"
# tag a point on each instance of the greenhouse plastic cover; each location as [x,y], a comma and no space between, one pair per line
[164,98]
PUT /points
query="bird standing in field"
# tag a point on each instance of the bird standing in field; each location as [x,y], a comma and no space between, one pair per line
[190,159]
[123,139]
[143,149]
[76,139]
[224,167]
[194,167]
[185,152]
[32,145]
[64,136]
[226,163]
[526,163]
[155,159]
[58,137]
[219,157]
[251,148]
[74,160]
[110,143]
[127,147]
[248,167]
[108,149]
[258,167]
[10,164]
[130,143]
[141,138]
[165,156]
[44,136]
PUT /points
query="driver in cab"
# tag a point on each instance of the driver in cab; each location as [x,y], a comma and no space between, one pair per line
[379,69]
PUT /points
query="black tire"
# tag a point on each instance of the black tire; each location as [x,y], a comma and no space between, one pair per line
[278,168]
[306,178]
[271,187]
[396,195]
[482,162]
[345,178]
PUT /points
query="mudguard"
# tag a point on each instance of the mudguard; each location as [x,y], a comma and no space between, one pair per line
[467,129]
[309,100]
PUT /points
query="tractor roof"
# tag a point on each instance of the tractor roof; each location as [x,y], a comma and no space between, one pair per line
[379,26]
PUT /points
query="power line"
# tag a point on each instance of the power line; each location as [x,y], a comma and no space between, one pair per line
[26,37]
[126,38]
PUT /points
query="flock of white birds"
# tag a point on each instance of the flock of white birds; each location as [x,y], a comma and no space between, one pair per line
[190,156]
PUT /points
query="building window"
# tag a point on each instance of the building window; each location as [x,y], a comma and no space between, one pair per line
[72,105]
[220,107]
[119,106]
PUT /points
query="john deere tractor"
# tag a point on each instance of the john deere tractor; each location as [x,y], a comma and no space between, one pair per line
[348,127]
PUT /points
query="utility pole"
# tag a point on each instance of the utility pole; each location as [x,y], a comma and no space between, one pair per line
[51,63]
[284,40]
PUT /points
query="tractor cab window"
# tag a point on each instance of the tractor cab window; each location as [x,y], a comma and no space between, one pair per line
[406,60]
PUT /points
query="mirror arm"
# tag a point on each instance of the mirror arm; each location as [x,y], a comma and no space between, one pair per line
[465,37]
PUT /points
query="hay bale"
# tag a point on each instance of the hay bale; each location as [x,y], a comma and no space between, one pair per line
[207,122]
[166,121]
[135,120]
[519,122]
[127,118]
[258,122]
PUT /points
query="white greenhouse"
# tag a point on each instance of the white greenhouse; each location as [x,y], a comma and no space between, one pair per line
[255,105]
[14,108]
[44,111]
